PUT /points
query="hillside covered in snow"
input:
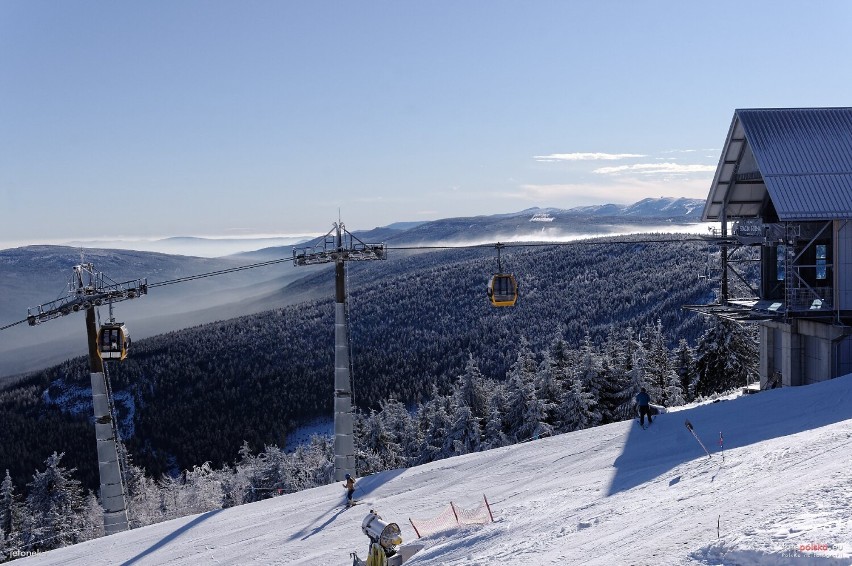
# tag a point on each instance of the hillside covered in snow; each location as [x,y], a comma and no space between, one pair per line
[775,492]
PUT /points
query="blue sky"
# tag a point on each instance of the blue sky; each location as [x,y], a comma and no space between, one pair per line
[165,118]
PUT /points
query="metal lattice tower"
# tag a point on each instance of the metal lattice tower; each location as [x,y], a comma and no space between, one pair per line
[339,246]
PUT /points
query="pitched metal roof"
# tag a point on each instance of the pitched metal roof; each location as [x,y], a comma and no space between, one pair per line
[799,158]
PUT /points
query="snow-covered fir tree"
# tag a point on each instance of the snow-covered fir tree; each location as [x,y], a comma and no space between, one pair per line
[402,430]
[470,389]
[726,357]
[10,517]
[54,508]
[437,424]
[92,519]
[684,366]
[524,412]
[521,395]
[674,390]
[7,505]
[379,441]
[550,386]
[614,369]
[577,410]
[464,435]
[627,409]
[590,369]
[495,428]
[658,363]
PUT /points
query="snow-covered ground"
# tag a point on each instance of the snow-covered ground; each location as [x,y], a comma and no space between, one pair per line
[778,494]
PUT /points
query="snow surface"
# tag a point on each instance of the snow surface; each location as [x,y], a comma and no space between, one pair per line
[610,495]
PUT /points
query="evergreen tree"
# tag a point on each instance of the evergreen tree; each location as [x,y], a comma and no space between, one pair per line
[577,410]
[464,435]
[437,426]
[549,385]
[495,435]
[614,378]
[520,393]
[657,362]
[627,409]
[402,429]
[470,389]
[589,368]
[726,358]
[535,423]
[380,442]
[684,365]
[10,518]
[7,506]
[674,390]
[91,519]
[53,508]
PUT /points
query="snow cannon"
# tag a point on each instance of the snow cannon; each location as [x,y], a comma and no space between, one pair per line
[385,534]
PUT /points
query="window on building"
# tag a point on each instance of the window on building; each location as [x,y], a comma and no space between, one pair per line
[821,261]
[780,264]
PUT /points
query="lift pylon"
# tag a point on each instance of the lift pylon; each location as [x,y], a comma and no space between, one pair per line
[87,290]
[340,246]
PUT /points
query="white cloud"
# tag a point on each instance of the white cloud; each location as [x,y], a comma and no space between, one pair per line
[657,168]
[585,156]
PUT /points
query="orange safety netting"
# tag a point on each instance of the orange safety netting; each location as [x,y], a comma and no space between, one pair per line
[451,517]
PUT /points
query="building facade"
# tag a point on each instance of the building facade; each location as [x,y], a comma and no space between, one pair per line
[784,184]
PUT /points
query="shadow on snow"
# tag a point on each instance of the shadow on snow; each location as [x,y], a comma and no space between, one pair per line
[667,443]
[363,487]
[171,536]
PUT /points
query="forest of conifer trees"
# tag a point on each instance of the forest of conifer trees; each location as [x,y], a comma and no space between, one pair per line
[438,372]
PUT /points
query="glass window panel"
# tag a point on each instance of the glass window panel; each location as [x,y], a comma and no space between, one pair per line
[821,261]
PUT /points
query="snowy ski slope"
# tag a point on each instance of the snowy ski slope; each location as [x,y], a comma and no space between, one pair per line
[778,494]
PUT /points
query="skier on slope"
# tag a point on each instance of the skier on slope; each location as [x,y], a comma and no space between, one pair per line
[643,400]
[350,488]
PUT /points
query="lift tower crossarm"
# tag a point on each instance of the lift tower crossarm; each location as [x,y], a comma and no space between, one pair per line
[84,294]
[340,246]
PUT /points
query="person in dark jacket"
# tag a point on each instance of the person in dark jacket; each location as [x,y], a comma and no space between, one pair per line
[350,488]
[643,400]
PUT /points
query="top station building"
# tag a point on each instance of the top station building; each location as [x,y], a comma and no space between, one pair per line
[784,183]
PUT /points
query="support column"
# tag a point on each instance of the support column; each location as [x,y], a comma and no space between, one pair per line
[767,345]
[344,433]
[791,350]
[112,486]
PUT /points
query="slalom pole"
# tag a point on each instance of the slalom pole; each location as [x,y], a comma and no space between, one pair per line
[689,426]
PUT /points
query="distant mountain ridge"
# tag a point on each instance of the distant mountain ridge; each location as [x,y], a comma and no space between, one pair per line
[663,207]
[544,223]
